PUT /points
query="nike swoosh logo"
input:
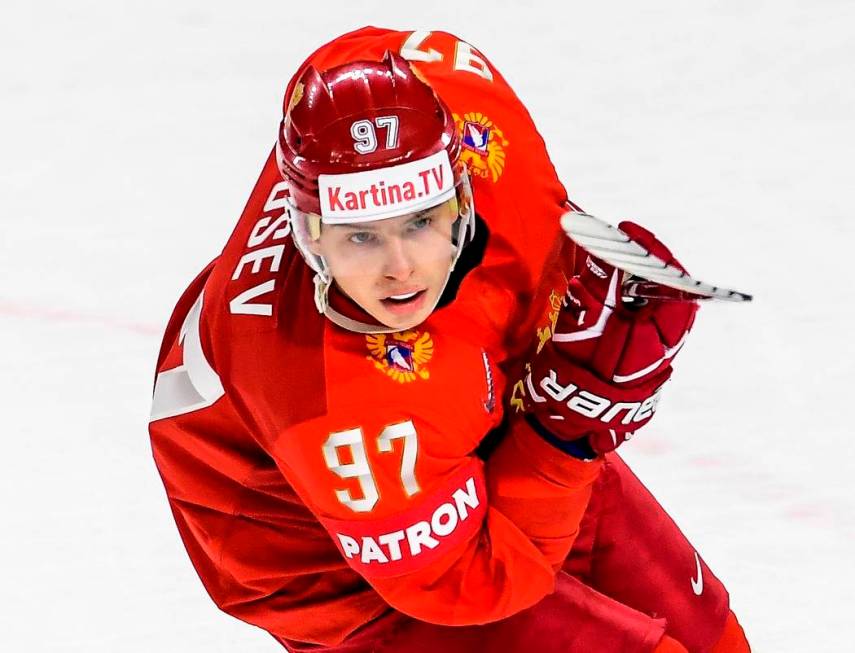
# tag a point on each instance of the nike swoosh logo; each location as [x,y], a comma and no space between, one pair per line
[698,585]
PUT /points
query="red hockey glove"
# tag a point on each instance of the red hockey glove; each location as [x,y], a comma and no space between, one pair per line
[598,379]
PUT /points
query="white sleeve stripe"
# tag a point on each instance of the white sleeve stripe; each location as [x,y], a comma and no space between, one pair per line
[192,385]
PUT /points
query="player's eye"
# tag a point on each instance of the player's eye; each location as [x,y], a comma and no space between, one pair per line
[361,237]
[420,223]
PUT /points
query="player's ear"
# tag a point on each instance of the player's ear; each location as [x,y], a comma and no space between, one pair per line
[314,247]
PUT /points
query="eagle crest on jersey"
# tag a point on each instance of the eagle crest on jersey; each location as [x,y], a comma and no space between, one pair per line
[483,145]
[544,334]
[401,356]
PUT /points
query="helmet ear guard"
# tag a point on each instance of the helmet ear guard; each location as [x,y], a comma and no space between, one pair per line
[464,231]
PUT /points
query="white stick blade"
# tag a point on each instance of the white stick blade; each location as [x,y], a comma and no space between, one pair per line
[613,246]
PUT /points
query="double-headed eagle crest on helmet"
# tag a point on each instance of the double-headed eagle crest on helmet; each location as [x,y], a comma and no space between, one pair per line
[296,96]
[401,356]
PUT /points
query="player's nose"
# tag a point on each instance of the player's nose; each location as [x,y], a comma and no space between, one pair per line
[397,262]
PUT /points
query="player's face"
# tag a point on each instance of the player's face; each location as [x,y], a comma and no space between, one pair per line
[396,268]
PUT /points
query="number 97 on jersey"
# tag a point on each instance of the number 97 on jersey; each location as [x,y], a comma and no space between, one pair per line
[350,445]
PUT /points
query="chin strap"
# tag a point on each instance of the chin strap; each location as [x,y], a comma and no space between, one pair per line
[322,289]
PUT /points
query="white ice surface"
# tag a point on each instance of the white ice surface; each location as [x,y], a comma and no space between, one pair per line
[131,134]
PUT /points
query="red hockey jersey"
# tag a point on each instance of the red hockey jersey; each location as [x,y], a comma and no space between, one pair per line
[320,476]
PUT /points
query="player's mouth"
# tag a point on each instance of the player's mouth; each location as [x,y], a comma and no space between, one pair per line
[405,302]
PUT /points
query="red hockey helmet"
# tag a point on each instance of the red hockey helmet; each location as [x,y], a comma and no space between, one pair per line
[356,117]
[365,141]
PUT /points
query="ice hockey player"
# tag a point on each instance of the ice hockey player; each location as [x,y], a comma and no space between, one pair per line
[385,414]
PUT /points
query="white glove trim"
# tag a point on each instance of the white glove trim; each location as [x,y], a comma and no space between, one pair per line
[596,329]
[669,353]
[532,392]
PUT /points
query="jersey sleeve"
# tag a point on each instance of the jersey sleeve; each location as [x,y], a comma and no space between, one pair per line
[262,556]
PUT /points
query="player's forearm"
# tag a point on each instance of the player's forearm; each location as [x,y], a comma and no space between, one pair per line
[537,497]
[494,575]
[478,545]
[540,489]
